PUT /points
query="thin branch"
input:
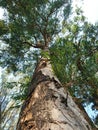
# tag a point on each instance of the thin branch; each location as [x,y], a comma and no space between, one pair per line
[37,45]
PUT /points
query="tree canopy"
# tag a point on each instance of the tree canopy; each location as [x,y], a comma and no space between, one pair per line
[31,22]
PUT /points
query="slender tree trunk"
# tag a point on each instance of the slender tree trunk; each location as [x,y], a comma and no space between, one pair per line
[49,106]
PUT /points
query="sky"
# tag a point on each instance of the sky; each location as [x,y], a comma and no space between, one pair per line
[90,8]
[1,13]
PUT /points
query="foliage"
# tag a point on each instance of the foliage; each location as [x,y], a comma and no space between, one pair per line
[3,27]
[29,21]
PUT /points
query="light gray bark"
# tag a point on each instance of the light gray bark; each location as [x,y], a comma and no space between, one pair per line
[49,106]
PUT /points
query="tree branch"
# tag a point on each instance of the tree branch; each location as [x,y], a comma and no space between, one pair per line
[37,45]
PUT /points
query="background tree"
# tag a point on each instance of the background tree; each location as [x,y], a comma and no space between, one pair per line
[31,26]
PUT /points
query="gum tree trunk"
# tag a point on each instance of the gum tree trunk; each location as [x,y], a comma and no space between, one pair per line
[49,106]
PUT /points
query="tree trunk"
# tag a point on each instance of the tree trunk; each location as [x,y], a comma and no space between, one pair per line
[49,106]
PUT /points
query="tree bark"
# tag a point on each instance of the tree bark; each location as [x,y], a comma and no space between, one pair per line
[48,105]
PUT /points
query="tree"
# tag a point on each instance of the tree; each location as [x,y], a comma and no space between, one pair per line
[35,24]
[8,106]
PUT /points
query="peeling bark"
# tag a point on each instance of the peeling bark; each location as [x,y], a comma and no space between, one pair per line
[49,106]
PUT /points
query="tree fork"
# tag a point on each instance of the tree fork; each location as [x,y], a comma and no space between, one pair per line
[48,105]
